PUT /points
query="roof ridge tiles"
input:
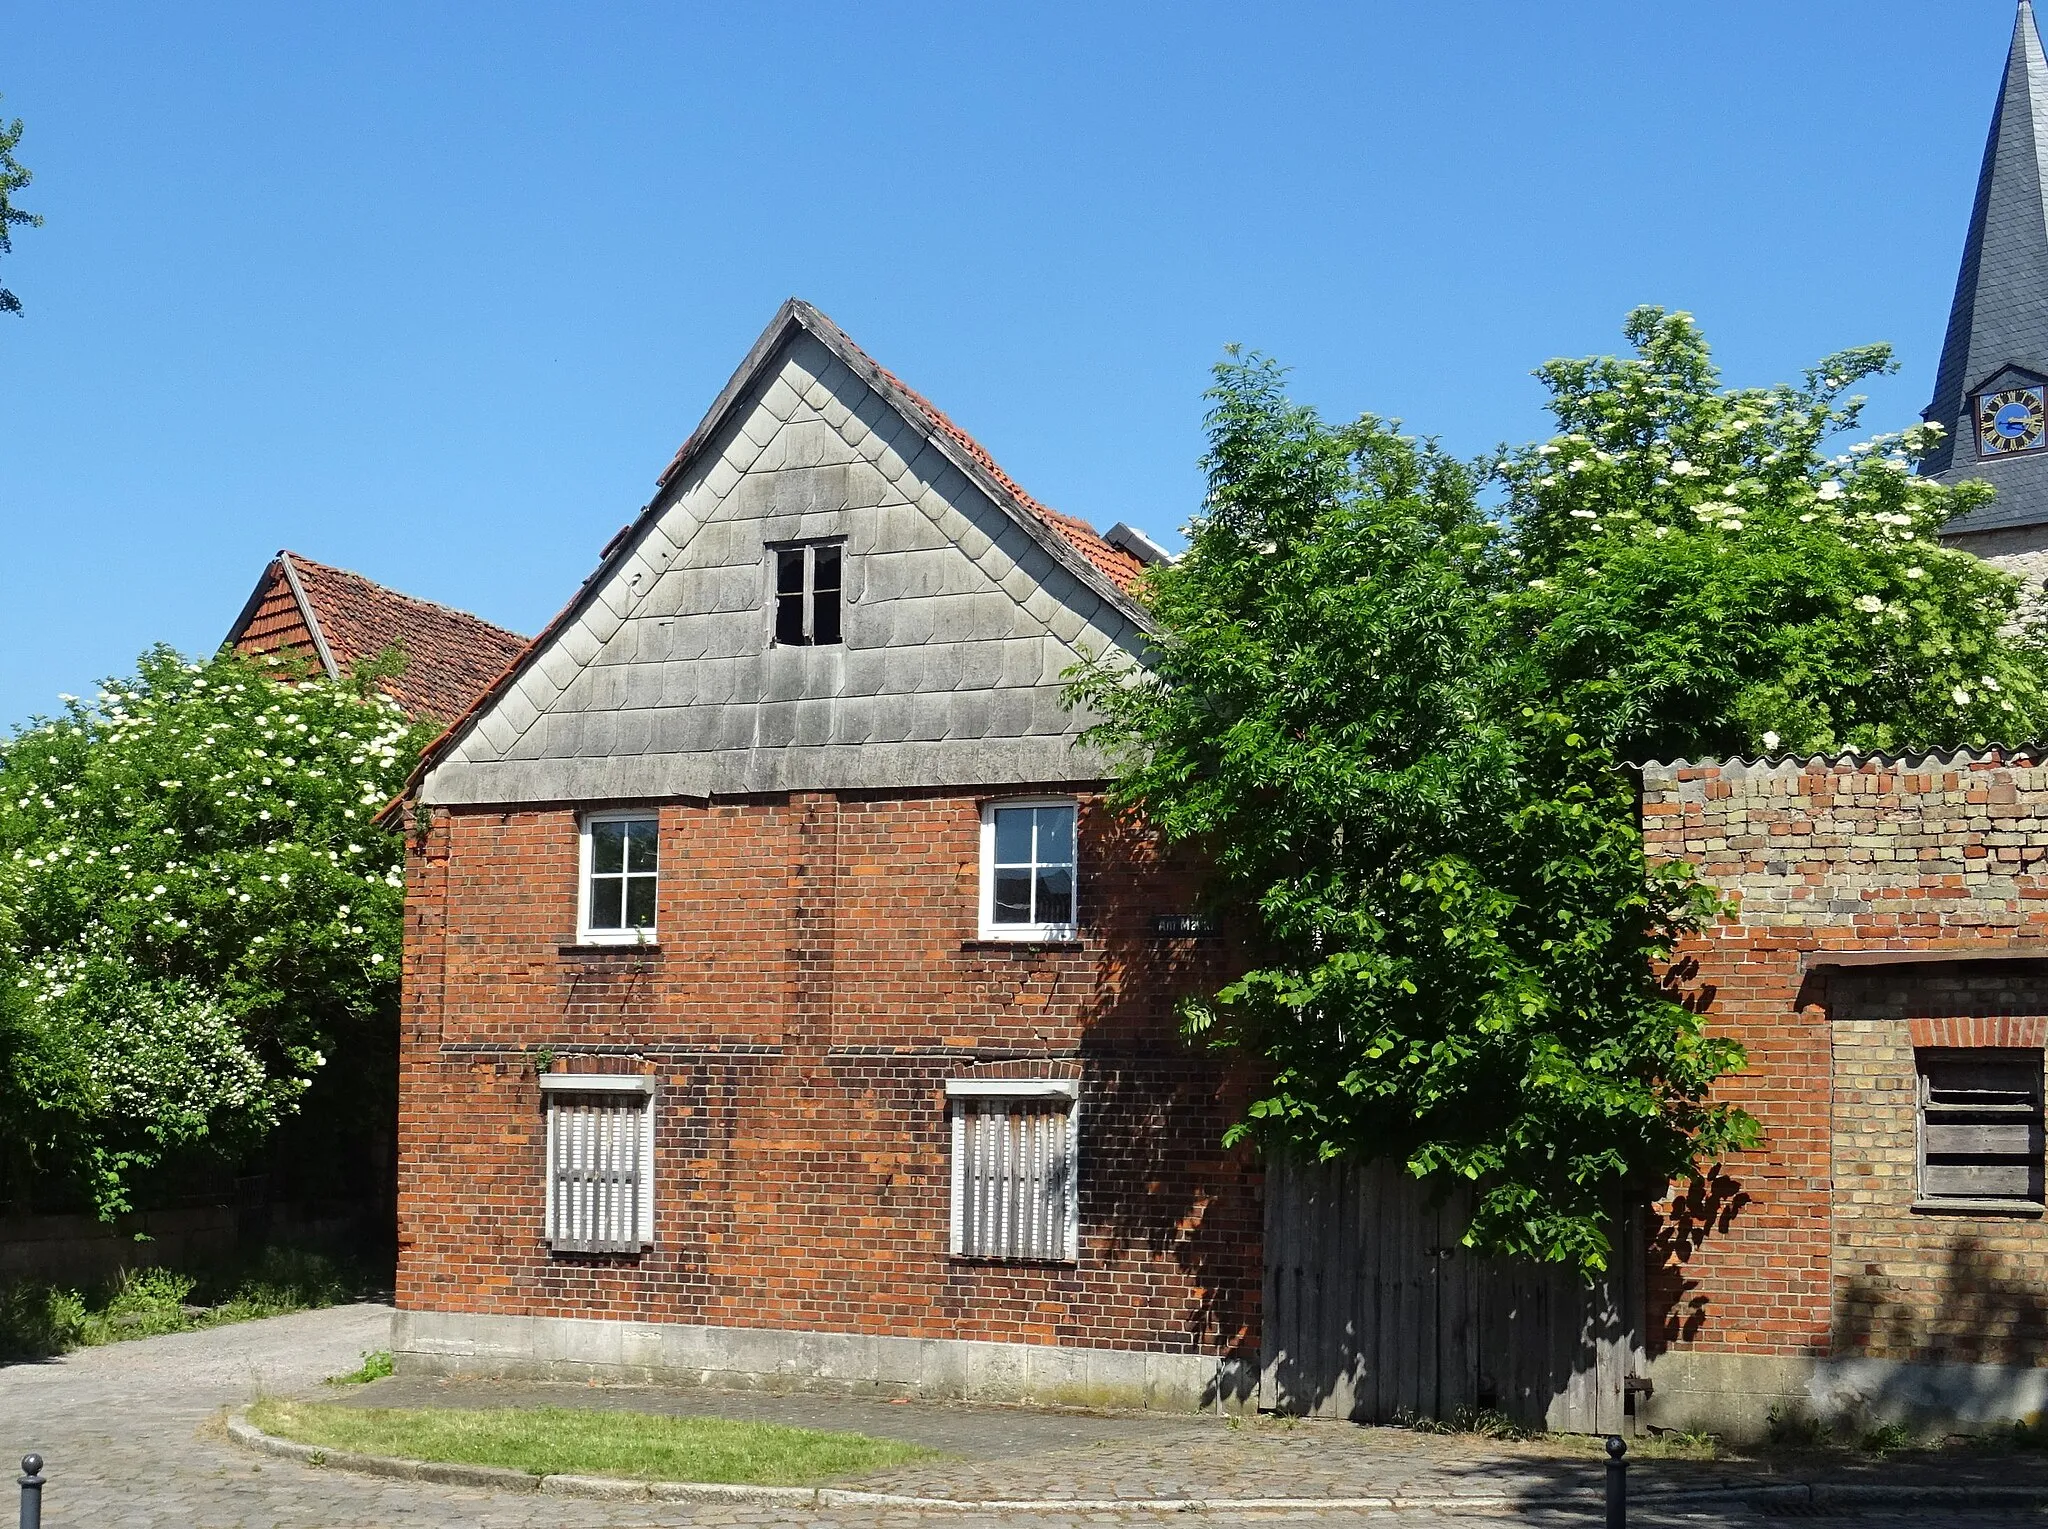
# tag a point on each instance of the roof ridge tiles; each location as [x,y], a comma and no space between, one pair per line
[300,560]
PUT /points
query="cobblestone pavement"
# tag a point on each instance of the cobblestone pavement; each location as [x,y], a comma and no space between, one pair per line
[133,1438]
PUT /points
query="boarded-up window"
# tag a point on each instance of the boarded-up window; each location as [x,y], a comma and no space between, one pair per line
[1015,1168]
[1980,1127]
[600,1164]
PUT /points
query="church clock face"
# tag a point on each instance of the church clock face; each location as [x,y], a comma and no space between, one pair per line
[2011,420]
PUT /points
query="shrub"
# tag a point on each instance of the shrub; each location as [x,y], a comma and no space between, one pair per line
[37,1320]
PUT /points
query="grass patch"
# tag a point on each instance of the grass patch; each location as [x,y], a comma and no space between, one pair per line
[547,1441]
[376,1365]
[39,1320]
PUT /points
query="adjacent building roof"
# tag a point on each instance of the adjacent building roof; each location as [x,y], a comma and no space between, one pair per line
[336,619]
[966,604]
[1998,322]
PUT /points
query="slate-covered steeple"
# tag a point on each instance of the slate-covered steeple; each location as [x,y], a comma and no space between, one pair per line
[1997,338]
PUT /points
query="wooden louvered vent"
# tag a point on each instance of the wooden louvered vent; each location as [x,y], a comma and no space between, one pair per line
[1014,1177]
[600,1159]
[1980,1128]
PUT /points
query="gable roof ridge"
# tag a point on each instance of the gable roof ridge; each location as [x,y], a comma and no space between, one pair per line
[1113,563]
[308,614]
[1056,532]
[344,618]
[1074,541]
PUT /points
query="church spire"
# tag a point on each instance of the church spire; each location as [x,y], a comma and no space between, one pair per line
[1998,325]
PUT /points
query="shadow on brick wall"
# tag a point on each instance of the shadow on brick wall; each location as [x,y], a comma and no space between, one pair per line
[1157,1108]
[1983,1308]
[1677,1307]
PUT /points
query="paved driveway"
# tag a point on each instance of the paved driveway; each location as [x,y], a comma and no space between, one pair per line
[132,1438]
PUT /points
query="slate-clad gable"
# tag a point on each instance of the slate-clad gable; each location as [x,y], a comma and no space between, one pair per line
[1999,318]
[961,614]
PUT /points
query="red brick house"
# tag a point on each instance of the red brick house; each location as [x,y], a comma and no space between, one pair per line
[1887,969]
[782,1001]
[784,1006]
[333,620]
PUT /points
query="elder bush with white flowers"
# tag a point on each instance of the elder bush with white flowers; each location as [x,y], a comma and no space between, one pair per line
[197,908]
[1695,576]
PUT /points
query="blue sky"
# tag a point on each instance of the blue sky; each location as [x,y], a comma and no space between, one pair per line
[433,292]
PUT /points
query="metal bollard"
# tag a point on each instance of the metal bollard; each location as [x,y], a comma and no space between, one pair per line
[1617,1483]
[31,1492]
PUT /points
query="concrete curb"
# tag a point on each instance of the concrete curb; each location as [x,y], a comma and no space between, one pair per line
[1819,1494]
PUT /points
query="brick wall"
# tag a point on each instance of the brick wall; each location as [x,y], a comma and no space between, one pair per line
[1811,1245]
[816,981]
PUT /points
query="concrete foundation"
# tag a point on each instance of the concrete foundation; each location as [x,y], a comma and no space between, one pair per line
[1733,1394]
[749,1358]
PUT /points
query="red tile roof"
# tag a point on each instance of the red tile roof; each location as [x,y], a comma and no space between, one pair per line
[451,657]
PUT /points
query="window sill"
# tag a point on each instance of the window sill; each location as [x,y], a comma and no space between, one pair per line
[2027,1209]
[1025,942]
[610,948]
[968,1260]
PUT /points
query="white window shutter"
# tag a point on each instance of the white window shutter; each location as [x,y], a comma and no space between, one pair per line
[600,1153]
[1014,1178]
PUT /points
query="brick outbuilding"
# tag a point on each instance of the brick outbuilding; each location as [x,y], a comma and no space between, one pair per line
[1885,964]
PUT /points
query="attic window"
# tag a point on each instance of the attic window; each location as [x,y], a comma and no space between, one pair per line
[807,588]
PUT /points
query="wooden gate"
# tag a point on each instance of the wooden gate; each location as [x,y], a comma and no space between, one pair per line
[1373,1310]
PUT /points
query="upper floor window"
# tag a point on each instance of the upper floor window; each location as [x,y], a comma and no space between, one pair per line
[1027,870]
[807,588]
[619,877]
[1980,1130]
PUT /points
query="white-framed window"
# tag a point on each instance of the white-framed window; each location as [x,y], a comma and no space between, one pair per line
[1029,889]
[619,878]
[600,1162]
[810,578]
[1980,1130]
[1016,1168]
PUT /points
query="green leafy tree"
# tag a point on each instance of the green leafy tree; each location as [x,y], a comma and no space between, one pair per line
[200,908]
[13,177]
[1398,725]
